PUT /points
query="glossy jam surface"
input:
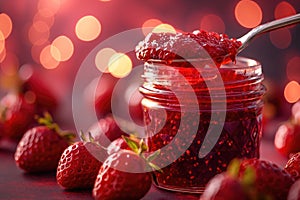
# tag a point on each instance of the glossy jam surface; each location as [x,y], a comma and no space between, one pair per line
[180,127]
[170,46]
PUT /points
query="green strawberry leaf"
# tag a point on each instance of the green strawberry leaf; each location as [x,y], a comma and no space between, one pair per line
[155,167]
[233,168]
[132,145]
[91,138]
[249,176]
[152,156]
[47,121]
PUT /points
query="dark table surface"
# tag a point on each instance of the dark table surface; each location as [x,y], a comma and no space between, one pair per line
[15,184]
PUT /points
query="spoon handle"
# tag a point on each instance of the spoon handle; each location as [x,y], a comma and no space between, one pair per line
[267,27]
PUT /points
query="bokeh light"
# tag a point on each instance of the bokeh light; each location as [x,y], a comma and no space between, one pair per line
[2,41]
[119,65]
[2,55]
[62,48]
[35,52]
[46,58]
[212,22]
[38,37]
[5,25]
[45,16]
[88,28]
[164,28]
[30,96]
[10,64]
[293,68]
[281,38]
[149,24]
[248,13]
[102,59]
[292,92]
[284,9]
[49,7]
[41,26]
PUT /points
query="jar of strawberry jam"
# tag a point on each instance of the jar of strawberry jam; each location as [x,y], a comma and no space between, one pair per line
[199,117]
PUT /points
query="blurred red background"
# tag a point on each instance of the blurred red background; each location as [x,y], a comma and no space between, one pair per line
[55,36]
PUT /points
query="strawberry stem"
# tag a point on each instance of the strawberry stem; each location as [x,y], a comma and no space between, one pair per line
[138,146]
[47,121]
[90,139]
[234,168]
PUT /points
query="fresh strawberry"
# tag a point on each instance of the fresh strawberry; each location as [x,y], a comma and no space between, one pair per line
[98,94]
[293,166]
[131,142]
[270,180]
[78,168]
[122,176]
[223,187]
[106,130]
[117,145]
[294,193]
[16,115]
[287,138]
[40,148]
[31,83]
[135,107]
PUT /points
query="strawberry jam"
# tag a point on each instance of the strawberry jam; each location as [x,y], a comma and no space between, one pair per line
[200,117]
[170,46]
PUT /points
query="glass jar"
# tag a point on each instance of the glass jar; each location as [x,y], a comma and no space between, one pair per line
[200,117]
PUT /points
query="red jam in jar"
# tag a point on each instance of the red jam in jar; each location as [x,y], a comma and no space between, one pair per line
[200,117]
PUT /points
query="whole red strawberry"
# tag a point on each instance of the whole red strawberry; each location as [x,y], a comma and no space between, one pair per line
[99,94]
[222,187]
[77,167]
[117,145]
[294,193]
[270,179]
[16,115]
[293,166]
[122,176]
[287,138]
[40,148]
[32,84]
[106,130]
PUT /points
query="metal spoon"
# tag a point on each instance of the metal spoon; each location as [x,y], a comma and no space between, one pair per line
[267,27]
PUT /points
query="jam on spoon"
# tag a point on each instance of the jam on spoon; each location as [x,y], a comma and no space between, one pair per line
[170,46]
[221,48]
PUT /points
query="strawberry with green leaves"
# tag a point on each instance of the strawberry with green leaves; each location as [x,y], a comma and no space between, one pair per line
[40,148]
[124,174]
[250,179]
[79,164]
[269,180]
[124,142]
[117,145]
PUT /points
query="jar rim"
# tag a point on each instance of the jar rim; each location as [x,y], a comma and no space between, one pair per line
[240,62]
